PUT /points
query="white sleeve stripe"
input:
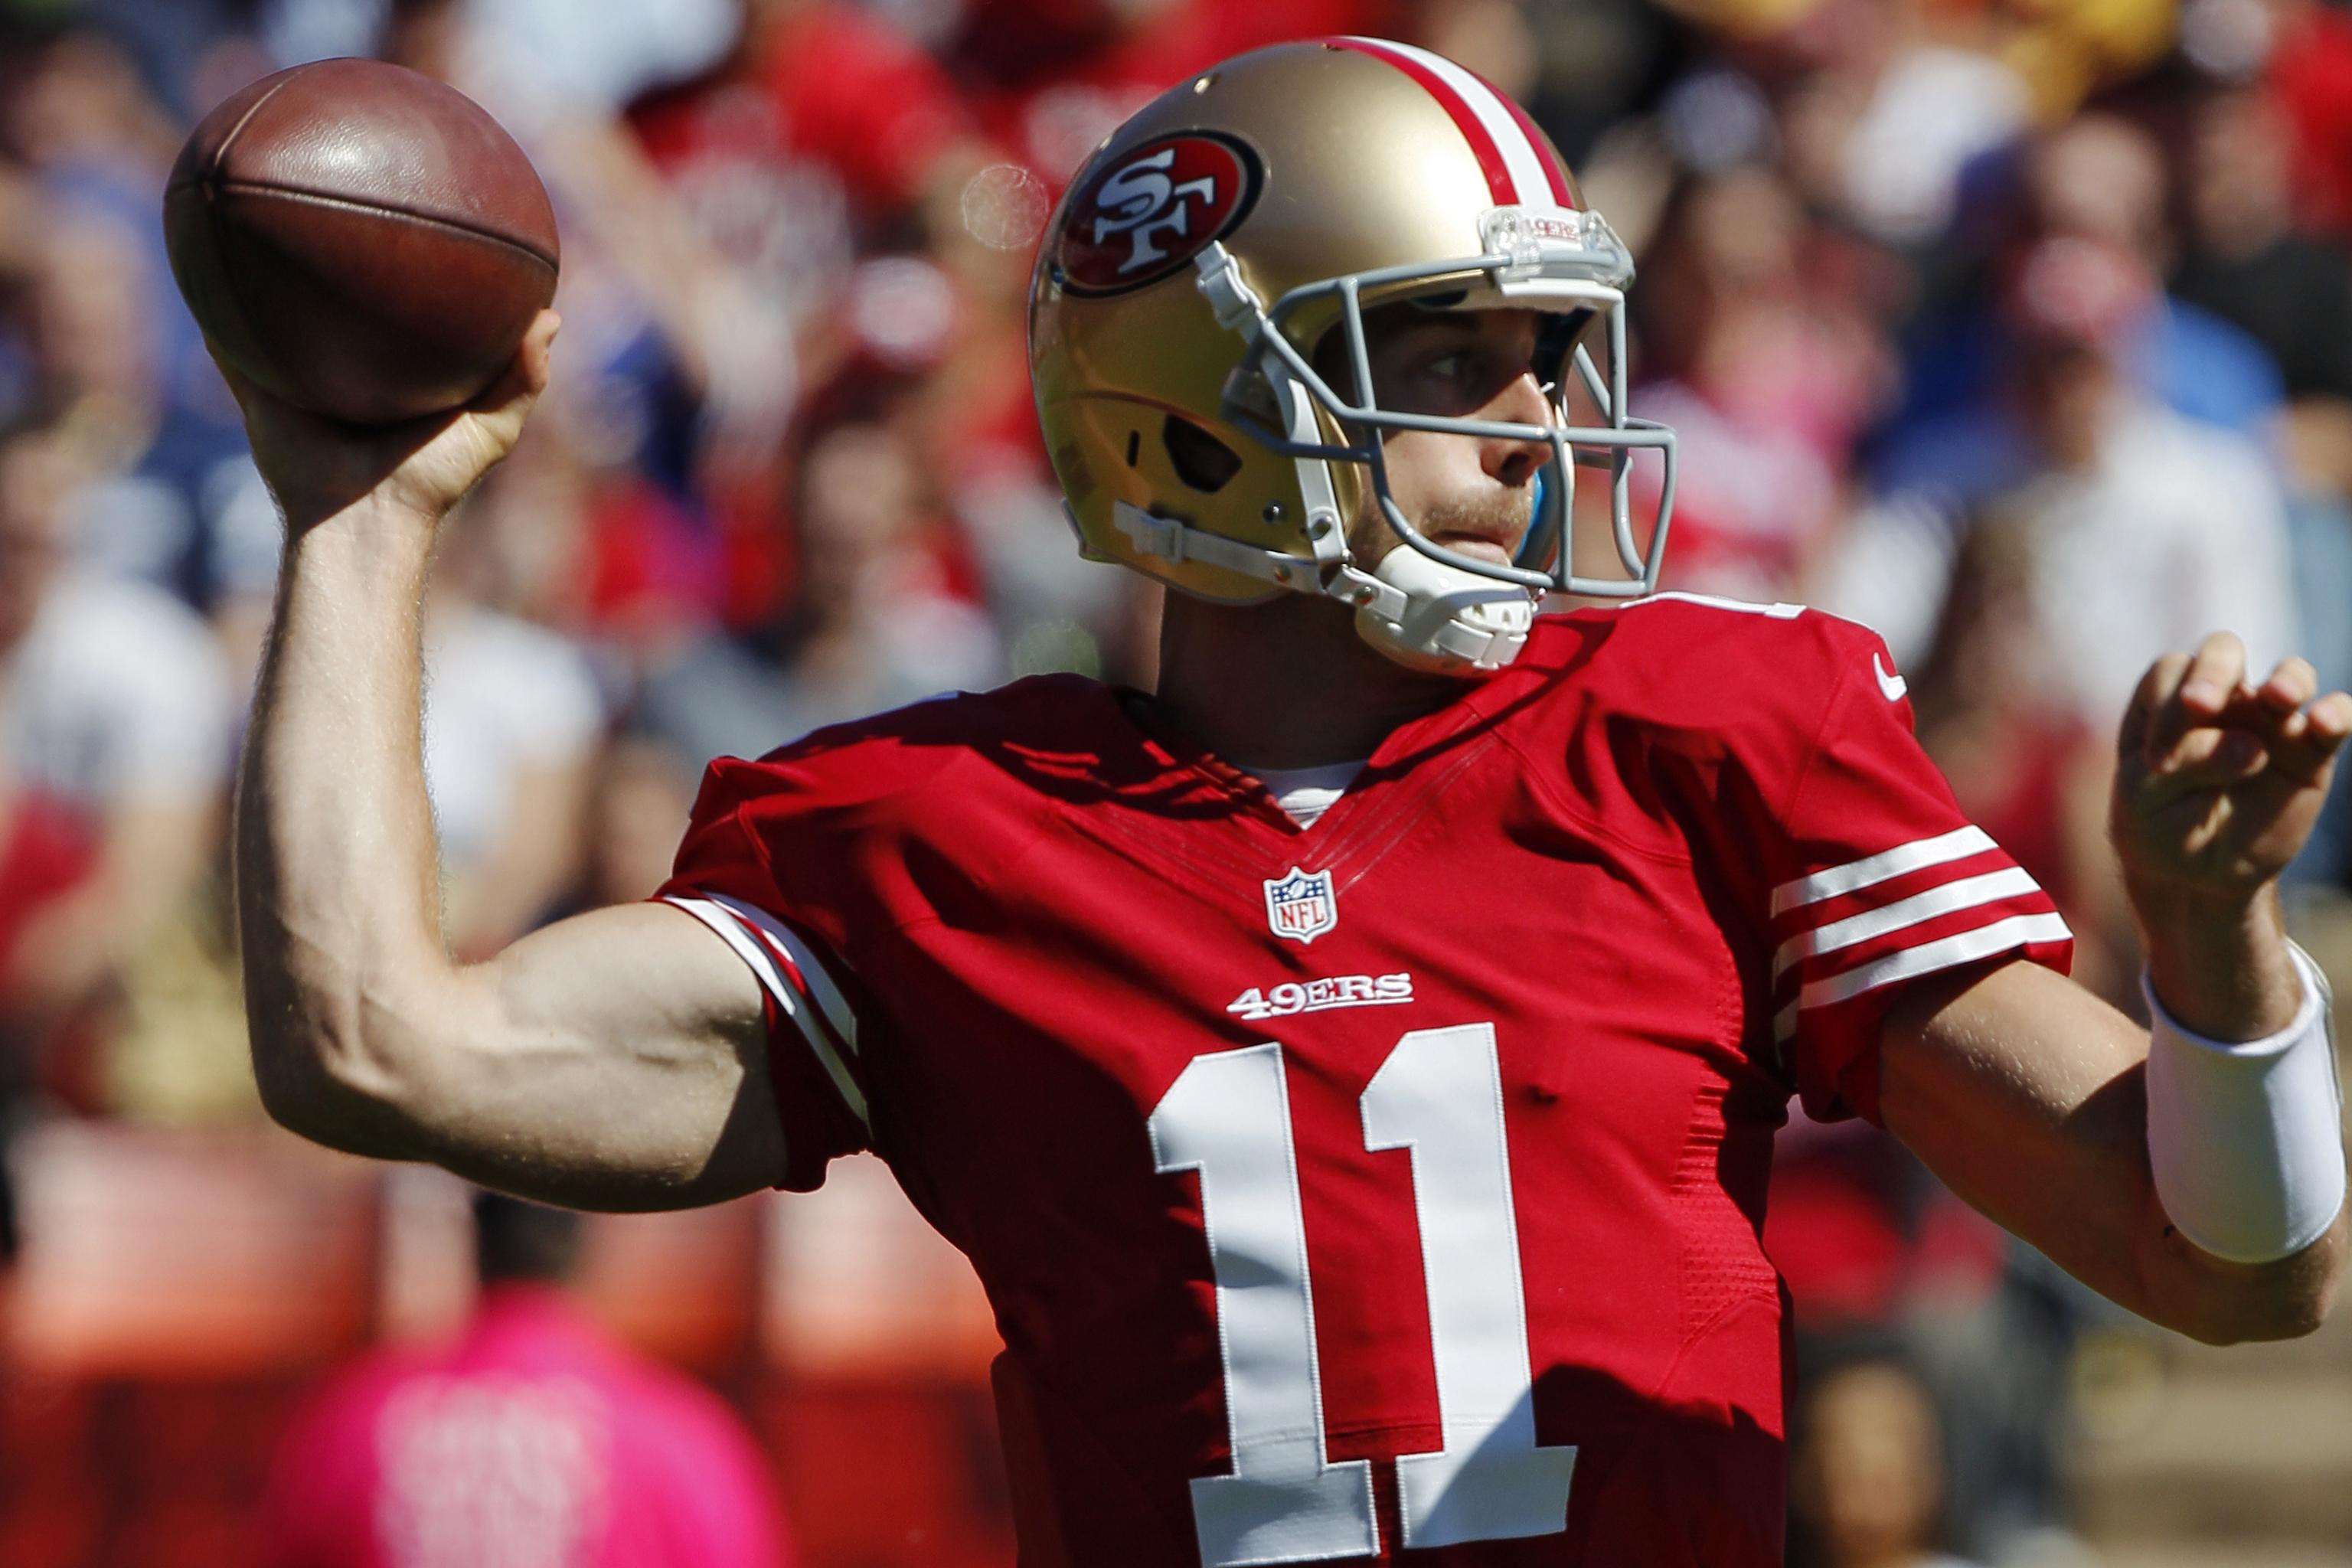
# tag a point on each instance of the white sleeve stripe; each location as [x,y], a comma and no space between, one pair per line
[1947,898]
[773,979]
[1856,875]
[2016,930]
[821,988]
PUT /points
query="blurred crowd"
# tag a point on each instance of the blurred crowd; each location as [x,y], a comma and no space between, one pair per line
[2018,329]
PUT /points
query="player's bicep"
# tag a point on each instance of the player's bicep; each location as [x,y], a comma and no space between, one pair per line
[615,1060]
[2024,1093]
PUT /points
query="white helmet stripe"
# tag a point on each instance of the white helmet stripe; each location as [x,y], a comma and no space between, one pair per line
[1531,182]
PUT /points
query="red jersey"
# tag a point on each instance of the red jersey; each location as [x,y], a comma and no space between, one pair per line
[1388,1190]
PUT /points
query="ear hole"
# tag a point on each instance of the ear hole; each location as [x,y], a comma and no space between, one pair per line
[1200,460]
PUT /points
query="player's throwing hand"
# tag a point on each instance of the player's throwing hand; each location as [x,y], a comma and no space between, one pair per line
[2218,780]
[317,467]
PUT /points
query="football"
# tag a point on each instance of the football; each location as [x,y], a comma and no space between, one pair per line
[360,239]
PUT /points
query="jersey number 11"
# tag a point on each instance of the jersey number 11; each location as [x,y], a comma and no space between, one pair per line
[1439,1094]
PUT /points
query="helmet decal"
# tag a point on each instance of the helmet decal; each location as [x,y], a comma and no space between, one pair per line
[1520,165]
[1145,212]
[1204,251]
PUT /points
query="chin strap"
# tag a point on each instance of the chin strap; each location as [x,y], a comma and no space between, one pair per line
[1175,542]
[1384,613]
[1454,622]
[1454,647]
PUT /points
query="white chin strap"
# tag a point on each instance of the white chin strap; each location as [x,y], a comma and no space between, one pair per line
[1444,619]
[1422,613]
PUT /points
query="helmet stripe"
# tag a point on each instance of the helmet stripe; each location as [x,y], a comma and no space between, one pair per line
[1474,129]
[1497,129]
[1554,172]
[1529,180]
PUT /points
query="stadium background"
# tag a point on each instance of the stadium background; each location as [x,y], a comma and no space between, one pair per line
[2020,329]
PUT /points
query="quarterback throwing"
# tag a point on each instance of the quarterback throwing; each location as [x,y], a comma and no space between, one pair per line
[1352,1067]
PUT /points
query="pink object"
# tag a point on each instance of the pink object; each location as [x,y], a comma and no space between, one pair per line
[533,1441]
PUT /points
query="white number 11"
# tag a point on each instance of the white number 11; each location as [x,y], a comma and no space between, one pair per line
[1439,1094]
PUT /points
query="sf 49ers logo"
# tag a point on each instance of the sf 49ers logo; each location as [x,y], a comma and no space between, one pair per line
[1148,211]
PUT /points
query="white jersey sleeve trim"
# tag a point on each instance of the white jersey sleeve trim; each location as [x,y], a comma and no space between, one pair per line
[1948,899]
[1927,958]
[1872,869]
[746,938]
[821,988]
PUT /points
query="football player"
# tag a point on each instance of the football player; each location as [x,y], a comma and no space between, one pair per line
[1351,1068]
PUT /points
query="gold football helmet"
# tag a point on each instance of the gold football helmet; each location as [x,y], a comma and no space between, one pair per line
[1202,255]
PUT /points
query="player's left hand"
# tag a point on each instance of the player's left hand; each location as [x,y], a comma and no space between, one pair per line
[2220,778]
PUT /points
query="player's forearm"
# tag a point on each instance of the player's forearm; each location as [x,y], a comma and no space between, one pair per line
[2028,1097]
[2222,1303]
[337,881]
[2220,965]
[2244,1123]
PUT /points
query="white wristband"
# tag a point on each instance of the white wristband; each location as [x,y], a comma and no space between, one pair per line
[2246,1139]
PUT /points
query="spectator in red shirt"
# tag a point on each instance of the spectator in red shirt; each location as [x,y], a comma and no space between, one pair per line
[534,1440]
[2311,70]
[114,709]
[824,125]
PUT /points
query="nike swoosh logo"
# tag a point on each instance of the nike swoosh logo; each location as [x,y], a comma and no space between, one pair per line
[1890,685]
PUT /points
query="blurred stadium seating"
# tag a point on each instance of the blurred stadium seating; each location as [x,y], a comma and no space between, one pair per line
[790,474]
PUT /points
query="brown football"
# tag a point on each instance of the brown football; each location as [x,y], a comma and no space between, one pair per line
[360,239]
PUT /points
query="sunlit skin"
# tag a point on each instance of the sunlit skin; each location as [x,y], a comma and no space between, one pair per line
[1338,697]
[618,1059]
[1472,497]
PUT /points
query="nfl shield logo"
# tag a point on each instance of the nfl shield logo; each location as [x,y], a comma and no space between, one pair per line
[1301,906]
